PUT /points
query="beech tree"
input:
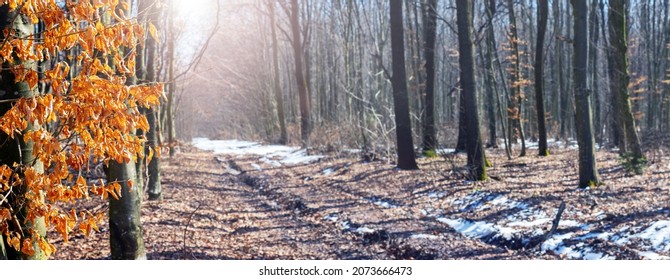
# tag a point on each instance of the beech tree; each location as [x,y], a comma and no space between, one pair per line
[404,142]
[629,141]
[474,145]
[303,95]
[89,113]
[430,30]
[588,173]
[543,12]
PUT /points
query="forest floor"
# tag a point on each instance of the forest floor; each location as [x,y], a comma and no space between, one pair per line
[267,205]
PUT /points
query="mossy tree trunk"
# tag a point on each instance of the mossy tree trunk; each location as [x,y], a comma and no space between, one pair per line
[126,241]
[629,141]
[125,228]
[588,173]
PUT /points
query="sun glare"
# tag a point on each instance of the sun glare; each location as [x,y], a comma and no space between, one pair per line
[196,9]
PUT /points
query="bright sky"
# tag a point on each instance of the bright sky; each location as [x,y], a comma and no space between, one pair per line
[198,9]
[200,17]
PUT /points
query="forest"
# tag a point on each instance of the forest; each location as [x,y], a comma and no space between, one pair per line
[334,129]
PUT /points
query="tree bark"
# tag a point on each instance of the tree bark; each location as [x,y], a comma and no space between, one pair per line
[588,173]
[430,32]
[619,80]
[405,146]
[283,135]
[543,12]
[16,150]
[475,150]
[305,122]
[125,228]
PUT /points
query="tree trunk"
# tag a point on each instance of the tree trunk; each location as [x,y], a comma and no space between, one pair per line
[305,122]
[475,150]
[619,80]
[430,32]
[489,78]
[125,228]
[588,173]
[593,53]
[543,12]
[283,135]
[172,85]
[147,73]
[405,146]
[16,150]
[515,117]
[462,142]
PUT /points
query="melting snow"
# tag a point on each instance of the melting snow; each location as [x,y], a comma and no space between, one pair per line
[333,217]
[284,154]
[381,202]
[477,229]
[657,234]
[365,230]
[424,236]
[436,194]
[327,171]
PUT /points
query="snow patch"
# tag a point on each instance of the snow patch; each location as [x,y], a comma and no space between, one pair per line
[363,230]
[381,202]
[657,234]
[327,171]
[333,217]
[477,229]
[284,154]
[652,256]
[437,194]
[424,236]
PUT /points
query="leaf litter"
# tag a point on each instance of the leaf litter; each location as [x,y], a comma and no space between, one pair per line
[287,204]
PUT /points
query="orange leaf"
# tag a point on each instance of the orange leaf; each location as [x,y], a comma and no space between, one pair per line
[153,31]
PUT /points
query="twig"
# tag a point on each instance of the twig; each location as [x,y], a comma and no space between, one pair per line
[188,222]
[554,226]
[557,219]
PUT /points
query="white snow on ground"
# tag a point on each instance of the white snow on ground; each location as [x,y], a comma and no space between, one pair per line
[424,236]
[527,221]
[652,256]
[381,202]
[275,155]
[657,234]
[477,229]
[365,230]
[327,171]
[437,194]
[572,144]
[481,200]
[445,151]
[531,221]
[333,217]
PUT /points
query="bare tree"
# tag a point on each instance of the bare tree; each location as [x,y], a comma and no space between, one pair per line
[588,173]
[475,149]
[405,146]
